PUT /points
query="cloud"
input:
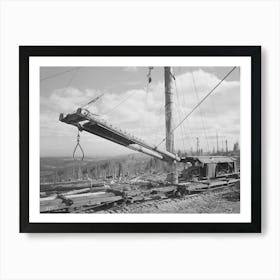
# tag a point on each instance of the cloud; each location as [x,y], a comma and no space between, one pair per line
[68,99]
[142,113]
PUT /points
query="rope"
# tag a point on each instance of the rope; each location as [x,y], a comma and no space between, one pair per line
[183,131]
[186,125]
[121,102]
[200,112]
[158,133]
[147,88]
[60,73]
[149,75]
[93,100]
[201,101]
[72,78]
[78,145]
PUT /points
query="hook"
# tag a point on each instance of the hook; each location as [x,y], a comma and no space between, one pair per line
[78,145]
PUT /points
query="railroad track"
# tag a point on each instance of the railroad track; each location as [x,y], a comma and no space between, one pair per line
[156,202]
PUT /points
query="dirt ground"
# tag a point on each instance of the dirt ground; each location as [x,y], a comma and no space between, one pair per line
[223,202]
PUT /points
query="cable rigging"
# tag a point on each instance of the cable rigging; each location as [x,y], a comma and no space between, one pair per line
[78,145]
[179,110]
[120,103]
[147,88]
[200,112]
[201,101]
[60,73]
[187,128]
[95,99]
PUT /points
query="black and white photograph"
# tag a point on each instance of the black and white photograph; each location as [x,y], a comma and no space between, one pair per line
[140,139]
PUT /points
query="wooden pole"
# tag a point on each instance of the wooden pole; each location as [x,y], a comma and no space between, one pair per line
[172,177]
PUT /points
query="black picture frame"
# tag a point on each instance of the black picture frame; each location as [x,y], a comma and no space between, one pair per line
[25,52]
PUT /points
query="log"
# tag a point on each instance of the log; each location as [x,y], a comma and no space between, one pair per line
[164,189]
[78,200]
[94,202]
[77,191]
[69,186]
[73,196]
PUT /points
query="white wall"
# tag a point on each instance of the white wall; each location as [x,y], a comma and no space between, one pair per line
[139,256]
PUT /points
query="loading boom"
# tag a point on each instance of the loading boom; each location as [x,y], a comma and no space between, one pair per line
[83,119]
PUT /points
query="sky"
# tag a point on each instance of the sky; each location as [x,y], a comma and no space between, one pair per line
[141,109]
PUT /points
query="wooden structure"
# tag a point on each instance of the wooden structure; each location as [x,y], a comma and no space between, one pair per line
[172,176]
[209,167]
[85,120]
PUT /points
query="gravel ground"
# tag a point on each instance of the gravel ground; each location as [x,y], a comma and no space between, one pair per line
[221,202]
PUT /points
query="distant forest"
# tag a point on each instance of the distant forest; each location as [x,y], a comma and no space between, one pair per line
[127,166]
[117,167]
